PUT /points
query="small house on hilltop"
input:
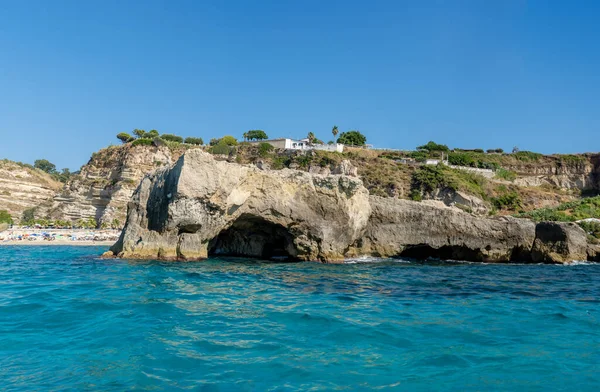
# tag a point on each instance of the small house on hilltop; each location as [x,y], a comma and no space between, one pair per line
[302,144]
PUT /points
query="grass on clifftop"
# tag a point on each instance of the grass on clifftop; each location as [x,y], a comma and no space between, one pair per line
[567,212]
[570,212]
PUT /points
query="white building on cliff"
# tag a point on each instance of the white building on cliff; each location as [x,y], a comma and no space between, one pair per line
[302,144]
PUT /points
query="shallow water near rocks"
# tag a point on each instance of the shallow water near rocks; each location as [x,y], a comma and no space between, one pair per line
[69,320]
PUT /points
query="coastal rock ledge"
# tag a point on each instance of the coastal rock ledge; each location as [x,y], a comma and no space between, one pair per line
[200,207]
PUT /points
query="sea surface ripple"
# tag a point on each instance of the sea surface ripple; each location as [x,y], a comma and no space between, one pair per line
[72,321]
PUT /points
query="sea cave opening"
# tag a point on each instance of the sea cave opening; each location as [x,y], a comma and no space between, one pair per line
[252,236]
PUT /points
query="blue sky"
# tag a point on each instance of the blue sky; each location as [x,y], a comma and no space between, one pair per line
[472,74]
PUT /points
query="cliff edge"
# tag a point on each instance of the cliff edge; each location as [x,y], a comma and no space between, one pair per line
[200,207]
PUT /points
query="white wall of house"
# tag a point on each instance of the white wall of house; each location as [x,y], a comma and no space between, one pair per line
[292,144]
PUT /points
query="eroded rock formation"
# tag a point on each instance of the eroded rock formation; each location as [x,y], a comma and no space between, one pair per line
[200,206]
[23,187]
[106,183]
[559,243]
[420,230]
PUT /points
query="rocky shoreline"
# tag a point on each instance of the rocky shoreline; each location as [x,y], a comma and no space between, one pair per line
[200,207]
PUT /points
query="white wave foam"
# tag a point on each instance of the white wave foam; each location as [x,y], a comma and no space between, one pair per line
[371,259]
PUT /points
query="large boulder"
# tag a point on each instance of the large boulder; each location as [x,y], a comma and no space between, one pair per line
[200,206]
[593,252]
[420,230]
[559,243]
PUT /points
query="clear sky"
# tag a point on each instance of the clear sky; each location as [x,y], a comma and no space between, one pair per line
[471,74]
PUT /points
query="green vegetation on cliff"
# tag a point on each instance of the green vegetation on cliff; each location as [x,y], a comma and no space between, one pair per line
[567,212]
[5,217]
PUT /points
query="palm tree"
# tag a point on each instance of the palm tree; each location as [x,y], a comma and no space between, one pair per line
[245,135]
[311,138]
[335,132]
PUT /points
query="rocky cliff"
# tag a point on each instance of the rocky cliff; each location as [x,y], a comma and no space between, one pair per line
[580,172]
[106,183]
[199,206]
[23,187]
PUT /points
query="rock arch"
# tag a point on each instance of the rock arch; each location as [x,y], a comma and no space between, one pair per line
[253,236]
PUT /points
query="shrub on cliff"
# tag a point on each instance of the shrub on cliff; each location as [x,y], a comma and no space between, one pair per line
[426,180]
[433,146]
[142,142]
[140,133]
[264,149]
[5,217]
[567,212]
[45,165]
[506,174]
[63,176]
[194,140]
[226,140]
[152,134]
[592,228]
[352,138]
[229,140]
[28,216]
[172,138]
[510,201]
[124,137]
[527,156]
[221,148]
[461,159]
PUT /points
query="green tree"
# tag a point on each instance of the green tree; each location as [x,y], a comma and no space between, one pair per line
[334,131]
[221,148]
[124,137]
[194,140]
[152,134]
[140,133]
[229,140]
[45,165]
[433,146]
[172,138]
[142,142]
[311,138]
[5,217]
[28,216]
[352,138]
[63,176]
[245,136]
[256,134]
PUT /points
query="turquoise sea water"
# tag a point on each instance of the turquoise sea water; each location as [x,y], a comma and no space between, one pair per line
[71,321]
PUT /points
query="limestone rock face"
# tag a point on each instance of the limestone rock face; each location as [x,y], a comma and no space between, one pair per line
[462,200]
[410,229]
[23,187]
[593,252]
[200,206]
[559,243]
[346,168]
[106,183]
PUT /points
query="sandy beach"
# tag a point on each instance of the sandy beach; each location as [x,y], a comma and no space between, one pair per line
[55,243]
[53,237]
